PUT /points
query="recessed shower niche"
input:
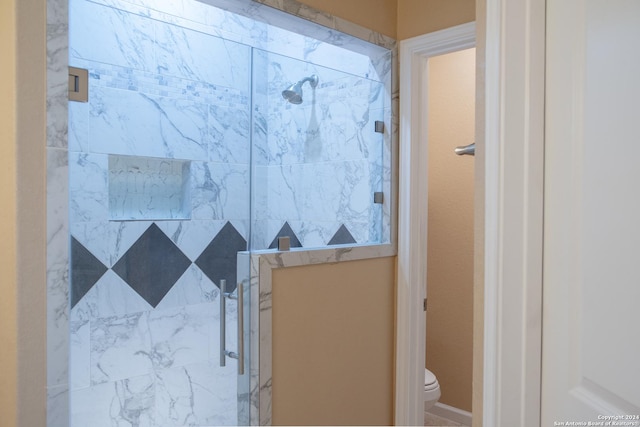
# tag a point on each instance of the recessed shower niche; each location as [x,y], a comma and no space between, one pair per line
[146,188]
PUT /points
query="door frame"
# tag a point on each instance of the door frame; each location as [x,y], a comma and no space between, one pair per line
[509,213]
[414,55]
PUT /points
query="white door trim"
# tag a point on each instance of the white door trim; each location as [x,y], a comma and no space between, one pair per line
[412,217]
[513,141]
[511,148]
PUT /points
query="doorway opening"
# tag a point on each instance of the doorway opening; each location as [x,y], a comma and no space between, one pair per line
[450,243]
[413,213]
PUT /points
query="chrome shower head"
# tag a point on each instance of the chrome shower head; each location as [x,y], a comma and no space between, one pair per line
[293,93]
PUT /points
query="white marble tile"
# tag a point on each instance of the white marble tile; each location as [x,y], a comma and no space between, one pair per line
[279,198]
[261,274]
[261,233]
[260,139]
[244,381]
[230,134]
[183,335]
[194,287]
[120,348]
[314,51]
[350,35]
[86,309]
[187,9]
[197,16]
[57,268]
[132,123]
[365,232]
[57,73]
[316,234]
[113,297]
[88,187]
[328,23]
[334,122]
[79,355]
[141,343]
[334,131]
[197,395]
[192,237]
[294,135]
[325,192]
[126,403]
[196,56]
[242,226]
[382,65]
[211,20]
[78,126]
[247,30]
[376,229]
[111,36]
[57,215]
[313,234]
[109,241]
[220,191]
[57,209]
[58,406]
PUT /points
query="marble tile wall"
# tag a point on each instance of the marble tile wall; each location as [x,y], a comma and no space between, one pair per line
[144,335]
[57,216]
[316,164]
[173,80]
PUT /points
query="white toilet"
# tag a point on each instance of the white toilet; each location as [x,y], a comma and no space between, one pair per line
[431,389]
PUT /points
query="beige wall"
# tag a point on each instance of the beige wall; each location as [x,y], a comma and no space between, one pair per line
[8,309]
[416,17]
[377,15]
[22,217]
[333,343]
[451,106]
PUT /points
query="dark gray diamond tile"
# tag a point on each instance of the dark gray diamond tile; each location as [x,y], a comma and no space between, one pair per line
[86,270]
[286,231]
[152,265]
[220,258]
[342,237]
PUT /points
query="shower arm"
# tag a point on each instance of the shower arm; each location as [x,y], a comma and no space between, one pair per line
[313,81]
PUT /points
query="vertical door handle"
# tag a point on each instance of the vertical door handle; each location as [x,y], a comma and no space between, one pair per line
[223,325]
[240,296]
[223,322]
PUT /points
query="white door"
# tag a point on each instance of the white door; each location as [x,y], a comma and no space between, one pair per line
[591,314]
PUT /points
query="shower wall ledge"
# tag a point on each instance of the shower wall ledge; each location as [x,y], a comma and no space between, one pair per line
[262,265]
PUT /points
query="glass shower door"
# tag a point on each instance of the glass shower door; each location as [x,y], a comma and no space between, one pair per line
[159,210]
